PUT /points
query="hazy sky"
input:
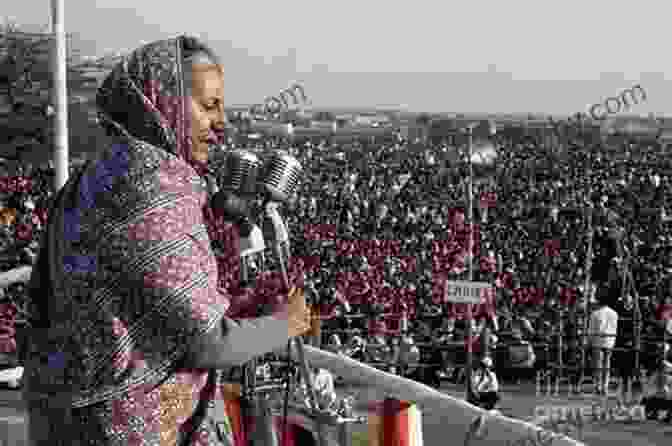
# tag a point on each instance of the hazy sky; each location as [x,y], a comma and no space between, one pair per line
[470,56]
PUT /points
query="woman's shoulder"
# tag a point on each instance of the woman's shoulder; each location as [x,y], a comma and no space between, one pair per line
[121,184]
[140,172]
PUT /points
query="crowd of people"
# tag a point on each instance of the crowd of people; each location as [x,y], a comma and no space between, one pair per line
[383,228]
[24,196]
[379,227]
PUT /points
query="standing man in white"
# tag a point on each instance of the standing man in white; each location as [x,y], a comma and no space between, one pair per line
[602,337]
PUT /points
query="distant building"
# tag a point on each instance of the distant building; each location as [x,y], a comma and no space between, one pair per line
[327,125]
[272,128]
[414,132]
[345,117]
[325,116]
[665,140]
[372,120]
[633,129]
[304,114]
[445,131]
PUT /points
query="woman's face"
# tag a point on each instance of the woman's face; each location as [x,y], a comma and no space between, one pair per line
[207,108]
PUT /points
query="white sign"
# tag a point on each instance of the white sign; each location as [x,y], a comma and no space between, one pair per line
[464,292]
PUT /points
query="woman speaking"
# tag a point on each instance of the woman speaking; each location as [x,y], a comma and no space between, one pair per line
[129,326]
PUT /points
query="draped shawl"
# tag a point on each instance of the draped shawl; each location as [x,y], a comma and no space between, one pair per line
[126,279]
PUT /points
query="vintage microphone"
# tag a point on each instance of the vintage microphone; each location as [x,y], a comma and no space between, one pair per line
[279,182]
[238,184]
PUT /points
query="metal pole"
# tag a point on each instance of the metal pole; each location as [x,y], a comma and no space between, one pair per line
[589,268]
[587,284]
[59,93]
[470,219]
[637,316]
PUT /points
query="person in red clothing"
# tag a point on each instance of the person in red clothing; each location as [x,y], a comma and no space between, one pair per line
[664,315]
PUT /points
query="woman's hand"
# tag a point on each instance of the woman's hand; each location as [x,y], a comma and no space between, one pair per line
[298,313]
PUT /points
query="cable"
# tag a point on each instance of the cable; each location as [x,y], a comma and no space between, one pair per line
[285,407]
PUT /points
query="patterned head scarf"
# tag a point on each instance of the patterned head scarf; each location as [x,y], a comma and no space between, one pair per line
[145,97]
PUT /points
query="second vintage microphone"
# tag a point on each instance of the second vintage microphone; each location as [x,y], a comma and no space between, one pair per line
[279,182]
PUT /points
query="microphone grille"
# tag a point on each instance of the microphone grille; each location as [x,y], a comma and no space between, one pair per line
[241,172]
[282,176]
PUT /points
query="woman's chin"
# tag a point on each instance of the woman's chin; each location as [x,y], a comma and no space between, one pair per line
[201,154]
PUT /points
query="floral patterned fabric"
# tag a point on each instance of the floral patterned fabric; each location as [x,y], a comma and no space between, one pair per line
[126,278]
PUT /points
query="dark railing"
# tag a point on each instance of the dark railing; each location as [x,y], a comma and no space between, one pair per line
[551,353]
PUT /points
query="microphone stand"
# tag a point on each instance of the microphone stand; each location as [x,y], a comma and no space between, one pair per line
[248,384]
[628,286]
[281,251]
[257,417]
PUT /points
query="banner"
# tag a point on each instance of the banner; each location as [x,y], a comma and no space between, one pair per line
[395,423]
[233,426]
